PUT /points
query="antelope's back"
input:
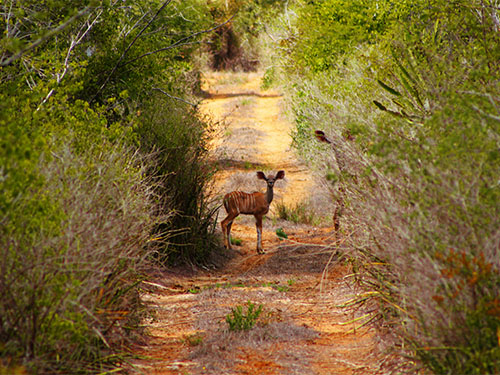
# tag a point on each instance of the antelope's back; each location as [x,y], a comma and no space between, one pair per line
[241,202]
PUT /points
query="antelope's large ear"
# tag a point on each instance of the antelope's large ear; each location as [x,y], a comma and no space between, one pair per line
[280,174]
[261,175]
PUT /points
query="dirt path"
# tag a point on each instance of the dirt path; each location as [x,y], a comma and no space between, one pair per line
[302,329]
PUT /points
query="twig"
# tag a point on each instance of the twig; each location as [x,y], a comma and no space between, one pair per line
[175,97]
[44,37]
[179,43]
[126,32]
[481,112]
[161,287]
[128,48]
[7,31]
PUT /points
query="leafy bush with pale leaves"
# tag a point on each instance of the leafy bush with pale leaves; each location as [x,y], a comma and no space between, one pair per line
[413,119]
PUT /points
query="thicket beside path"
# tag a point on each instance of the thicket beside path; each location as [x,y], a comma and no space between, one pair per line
[302,330]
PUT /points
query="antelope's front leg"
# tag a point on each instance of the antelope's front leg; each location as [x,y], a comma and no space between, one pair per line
[258,225]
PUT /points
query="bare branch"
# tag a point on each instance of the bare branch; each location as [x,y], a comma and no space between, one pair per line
[179,43]
[44,37]
[74,42]
[175,97]
[128,48]
[126,32]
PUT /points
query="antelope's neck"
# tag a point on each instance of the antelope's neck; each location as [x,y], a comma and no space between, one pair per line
[269,195]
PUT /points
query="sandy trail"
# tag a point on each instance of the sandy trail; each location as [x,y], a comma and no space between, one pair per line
[302,329]
[258,132]
[256,135]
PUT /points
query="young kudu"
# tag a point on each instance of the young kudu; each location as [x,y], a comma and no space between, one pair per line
[256,204]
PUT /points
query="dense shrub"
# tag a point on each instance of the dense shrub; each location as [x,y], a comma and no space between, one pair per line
[178,139]
[328,30]
[73,253]
[412,116]
[235,45]
[79,189]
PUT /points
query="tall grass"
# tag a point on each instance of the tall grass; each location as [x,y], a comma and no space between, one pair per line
[69,297]
[178,138]
[300,213]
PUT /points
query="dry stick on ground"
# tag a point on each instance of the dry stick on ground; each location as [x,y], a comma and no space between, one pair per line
[303,243]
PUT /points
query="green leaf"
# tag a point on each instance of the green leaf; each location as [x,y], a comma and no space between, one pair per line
[380,105]
[388,88]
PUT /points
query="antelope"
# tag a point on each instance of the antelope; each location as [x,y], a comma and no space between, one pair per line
[256,204]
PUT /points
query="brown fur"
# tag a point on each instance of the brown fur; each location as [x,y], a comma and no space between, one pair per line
[256,204]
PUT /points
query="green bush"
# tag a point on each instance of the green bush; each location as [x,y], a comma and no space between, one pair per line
[240,321]
[78,197]
[73,253]
[325,31]
[412,116]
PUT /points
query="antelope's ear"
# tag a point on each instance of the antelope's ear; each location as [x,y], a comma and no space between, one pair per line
[261,175]
[280,174]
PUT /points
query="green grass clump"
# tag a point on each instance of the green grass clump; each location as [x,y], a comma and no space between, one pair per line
[239,320]
[236,241]
[194,339]
[300,213]
[281,234]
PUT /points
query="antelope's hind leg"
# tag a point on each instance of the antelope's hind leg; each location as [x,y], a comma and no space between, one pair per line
[226,230]
[225,234]
[258,225]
